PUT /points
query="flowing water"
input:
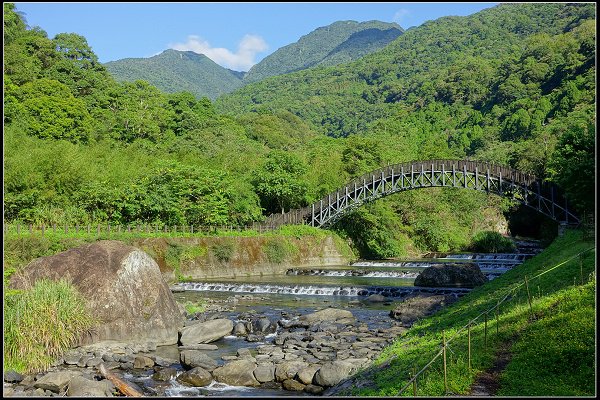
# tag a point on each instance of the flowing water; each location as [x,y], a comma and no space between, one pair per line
[305,290]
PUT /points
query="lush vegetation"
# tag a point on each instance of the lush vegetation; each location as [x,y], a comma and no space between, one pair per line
[550,346]
[41,323]
[340,42]
[175,71]
[513,84]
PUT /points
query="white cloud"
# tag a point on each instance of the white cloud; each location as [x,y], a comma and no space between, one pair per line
[242,60]
[400,14]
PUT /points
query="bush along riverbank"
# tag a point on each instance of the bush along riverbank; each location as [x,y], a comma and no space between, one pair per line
[528,332]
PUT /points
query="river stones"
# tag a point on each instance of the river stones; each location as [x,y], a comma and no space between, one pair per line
[55,381]
[329,315]
[290,384]
[306,374]
[237,373]
[265,372]
[143,362]
[206,332]
[122,286]
[288,369]
[197,377]
[419,306]
[12,377]
[240,329]
[194,358]
[82,387]
[332,373]
[165,374]
[377,298]
[466,275]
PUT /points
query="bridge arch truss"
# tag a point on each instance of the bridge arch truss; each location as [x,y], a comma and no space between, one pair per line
[544,197]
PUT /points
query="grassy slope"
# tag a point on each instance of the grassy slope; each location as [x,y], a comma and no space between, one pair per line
[552,354]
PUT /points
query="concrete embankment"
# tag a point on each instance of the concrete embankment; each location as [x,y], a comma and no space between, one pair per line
[194,258]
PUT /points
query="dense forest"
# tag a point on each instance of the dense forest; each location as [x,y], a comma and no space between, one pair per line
[513,84]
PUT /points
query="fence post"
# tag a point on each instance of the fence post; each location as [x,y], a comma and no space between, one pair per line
[43,229]
[528,296]
[497,312]
[18,229]
[88,229]
[445,371]
[485,329]
[98,230]
[581,267]
[53,228]
[415,381]
[469,344]
[108,228]
[30,229]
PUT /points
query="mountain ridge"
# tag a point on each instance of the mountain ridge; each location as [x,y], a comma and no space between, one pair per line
[174,71]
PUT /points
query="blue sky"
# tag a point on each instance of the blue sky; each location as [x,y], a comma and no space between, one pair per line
[234,35]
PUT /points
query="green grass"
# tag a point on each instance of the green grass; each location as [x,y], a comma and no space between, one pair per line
[42,322]
[552,351]
[193,308]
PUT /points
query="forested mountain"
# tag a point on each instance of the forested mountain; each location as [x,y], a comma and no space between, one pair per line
[506,85]
[176,71]
[513,84]
[340,42]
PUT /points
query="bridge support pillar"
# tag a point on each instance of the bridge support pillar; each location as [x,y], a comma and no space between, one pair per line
[562,227]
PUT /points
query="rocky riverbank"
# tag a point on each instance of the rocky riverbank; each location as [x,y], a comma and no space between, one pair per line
[304,353]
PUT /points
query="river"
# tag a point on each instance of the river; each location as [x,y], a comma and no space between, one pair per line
[302,291]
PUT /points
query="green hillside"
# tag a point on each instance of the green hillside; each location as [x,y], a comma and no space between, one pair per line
[340,42]
[541,333]
[513,85]
[176,71]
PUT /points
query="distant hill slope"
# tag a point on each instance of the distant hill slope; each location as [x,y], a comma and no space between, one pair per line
[175,71]
[340,42]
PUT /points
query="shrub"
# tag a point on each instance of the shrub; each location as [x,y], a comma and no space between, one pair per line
[492,242]
[42,322]
[278,250]
[223,251]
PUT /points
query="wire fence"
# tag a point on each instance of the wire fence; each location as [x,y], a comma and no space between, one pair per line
[510,295]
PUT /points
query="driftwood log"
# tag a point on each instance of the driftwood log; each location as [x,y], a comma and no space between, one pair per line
[120,384]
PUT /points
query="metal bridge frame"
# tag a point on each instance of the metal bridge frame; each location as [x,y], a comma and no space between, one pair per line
[546,198]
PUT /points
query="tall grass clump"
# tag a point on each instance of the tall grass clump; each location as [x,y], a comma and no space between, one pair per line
[492,242]
[42,322]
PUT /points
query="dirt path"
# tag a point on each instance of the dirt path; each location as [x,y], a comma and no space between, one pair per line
[487,382]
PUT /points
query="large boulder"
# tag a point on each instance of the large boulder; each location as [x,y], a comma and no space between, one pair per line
[123,288]
[451,275]
[206,332]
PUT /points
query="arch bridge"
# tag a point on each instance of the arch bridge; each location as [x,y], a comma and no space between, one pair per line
[544,197]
